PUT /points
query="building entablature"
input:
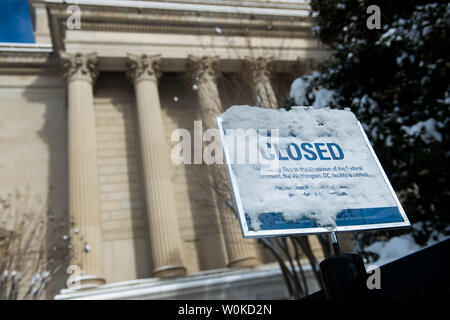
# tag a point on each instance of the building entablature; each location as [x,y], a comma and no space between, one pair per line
[27,58]
[176,30]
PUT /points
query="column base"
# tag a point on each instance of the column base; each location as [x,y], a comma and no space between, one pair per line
[169,272]
[88,282]
[244,263]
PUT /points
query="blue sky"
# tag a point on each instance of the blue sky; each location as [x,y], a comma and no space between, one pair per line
[15,23]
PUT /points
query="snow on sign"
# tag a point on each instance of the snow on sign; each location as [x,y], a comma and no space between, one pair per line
[305,171]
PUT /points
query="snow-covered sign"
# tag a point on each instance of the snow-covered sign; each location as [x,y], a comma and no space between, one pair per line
[305,171]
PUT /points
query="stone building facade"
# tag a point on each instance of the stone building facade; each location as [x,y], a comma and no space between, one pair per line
[88,113]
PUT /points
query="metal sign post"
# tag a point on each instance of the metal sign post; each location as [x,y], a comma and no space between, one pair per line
[335,243]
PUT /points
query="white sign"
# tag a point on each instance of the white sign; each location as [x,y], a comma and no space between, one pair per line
[305,171]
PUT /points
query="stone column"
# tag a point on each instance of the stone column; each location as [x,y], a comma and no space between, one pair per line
[165,236]
[80,72]
[241,253]
[260,70]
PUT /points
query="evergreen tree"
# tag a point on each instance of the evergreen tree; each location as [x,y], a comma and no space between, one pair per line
[396,80]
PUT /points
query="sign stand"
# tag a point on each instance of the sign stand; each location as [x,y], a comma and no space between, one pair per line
[335,243]
[311,160]
[344,275]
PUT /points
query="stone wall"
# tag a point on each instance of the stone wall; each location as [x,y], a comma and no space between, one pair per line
[124,221]
[33,149]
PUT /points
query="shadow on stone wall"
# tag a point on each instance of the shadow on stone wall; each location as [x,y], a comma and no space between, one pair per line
[44,90]
[179,102]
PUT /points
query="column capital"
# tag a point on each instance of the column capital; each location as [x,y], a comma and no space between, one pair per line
[260,67]
[79,66]
[141,67]
[204,67]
